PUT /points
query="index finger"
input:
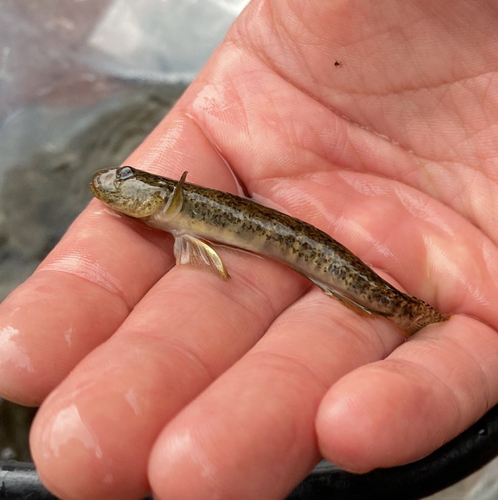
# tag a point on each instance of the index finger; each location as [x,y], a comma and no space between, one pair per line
[88,284]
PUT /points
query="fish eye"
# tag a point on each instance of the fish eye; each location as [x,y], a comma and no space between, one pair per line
[124,173]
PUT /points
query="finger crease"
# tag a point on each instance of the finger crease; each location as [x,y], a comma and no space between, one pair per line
[94,279]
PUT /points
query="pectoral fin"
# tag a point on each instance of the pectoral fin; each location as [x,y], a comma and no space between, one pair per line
[175,201]
[194,252]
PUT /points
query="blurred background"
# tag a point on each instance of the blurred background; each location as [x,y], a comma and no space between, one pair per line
[82,82]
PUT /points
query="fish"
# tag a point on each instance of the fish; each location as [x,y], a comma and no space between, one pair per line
[197,216]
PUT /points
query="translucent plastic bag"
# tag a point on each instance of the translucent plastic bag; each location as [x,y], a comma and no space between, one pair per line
[82,82]
[165,40]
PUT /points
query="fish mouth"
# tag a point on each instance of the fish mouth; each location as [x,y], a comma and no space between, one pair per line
[103,183]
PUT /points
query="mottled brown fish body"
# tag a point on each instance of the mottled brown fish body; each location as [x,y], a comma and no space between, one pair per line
[228,219]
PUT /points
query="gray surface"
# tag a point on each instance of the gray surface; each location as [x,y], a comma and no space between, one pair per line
[482,485]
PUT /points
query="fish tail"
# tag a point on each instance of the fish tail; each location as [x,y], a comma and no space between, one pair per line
[416,316]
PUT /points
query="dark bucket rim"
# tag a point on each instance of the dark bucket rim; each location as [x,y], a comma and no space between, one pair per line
[449,464]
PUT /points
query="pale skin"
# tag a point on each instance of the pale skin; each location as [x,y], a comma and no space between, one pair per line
[392,151]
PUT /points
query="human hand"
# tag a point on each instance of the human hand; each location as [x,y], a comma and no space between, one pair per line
[376,123]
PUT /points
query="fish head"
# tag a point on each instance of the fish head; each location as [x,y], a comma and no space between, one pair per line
[130,191]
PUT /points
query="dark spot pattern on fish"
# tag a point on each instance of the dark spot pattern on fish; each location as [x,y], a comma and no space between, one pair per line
[229,219]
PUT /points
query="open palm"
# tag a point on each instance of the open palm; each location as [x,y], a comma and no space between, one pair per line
[375,121]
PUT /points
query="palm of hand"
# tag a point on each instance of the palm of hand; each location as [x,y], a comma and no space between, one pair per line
[390,151]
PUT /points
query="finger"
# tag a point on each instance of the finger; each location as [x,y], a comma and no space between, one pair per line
[93,435]
[74,301]
[424,394]
[88,284]
[251,434]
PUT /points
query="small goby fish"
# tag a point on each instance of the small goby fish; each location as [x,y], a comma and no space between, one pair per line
[194,214]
